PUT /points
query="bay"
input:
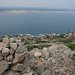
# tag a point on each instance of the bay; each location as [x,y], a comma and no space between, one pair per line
[36,22]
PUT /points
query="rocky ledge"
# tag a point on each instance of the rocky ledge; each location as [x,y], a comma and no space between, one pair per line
[55,60]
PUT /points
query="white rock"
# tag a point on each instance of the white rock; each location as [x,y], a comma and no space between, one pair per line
[5,51]
[37,54]
[13,46]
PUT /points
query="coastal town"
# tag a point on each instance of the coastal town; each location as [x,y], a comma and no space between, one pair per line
[41,38]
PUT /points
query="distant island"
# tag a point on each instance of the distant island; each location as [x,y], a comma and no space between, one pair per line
[18,10]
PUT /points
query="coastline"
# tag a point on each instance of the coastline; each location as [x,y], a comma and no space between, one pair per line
[14,34]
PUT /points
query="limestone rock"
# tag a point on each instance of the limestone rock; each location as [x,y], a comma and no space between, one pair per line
[1,56]
[37,54]
[26,70]
[12,51]
[5,39]
[5,51]
[13,46]
[4,44]
[26,61]
[12,39]
[46,53]
[0,49]
[37,62]
[39,68]
[17,67]
[31,63]
[19,57]
[59,59]
[21,49]
[11,73]
[72,54]
[10,58]
[18,41]
[3,66]
[59,48]
[47,72]
[55,60]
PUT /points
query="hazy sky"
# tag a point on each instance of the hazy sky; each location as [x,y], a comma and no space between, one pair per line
[67,4]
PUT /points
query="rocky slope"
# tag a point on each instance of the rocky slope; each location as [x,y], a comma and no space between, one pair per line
[55,60]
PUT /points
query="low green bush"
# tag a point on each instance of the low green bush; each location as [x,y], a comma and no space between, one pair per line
[40,46]
[0,40]
[29,47]
[71,46]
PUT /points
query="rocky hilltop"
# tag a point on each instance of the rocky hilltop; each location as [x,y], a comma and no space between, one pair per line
[15,59]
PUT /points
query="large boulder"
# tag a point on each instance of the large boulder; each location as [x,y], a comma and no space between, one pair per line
[12,51]
[72,55]
[59,48]
[20,54]
[18,41]
[11,73]
[4,65]
[5,51]
[12,39]
[13,46]
[10,58]
[60,60]
[18,67]
[38,54]
[35,53]
[4,44]
[21,49]
[19,57]
[45,53]
[27,70]
[39,68]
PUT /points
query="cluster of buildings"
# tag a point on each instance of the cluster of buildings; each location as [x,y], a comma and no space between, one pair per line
[29,39]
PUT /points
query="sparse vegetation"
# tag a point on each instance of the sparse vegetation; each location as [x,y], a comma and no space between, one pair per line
[0,40]
[66,40]
[40,46]
[71,46]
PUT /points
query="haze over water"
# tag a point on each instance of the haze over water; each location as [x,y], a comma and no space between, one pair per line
[36,22]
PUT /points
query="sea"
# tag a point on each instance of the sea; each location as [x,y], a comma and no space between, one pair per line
[35,23]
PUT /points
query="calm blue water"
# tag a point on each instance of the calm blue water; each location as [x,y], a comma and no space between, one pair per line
[36,23]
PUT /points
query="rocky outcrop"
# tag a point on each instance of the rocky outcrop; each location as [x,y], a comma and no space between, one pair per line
[55,60]
[18,57]
[13,46]
[4,65]
[5,51]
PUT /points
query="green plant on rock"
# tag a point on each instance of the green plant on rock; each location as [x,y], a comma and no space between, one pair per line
[40,46]
[71,46]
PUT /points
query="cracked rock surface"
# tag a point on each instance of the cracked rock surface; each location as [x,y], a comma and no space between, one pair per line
[55,60]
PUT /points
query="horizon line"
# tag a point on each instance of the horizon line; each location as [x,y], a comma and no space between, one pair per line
[14,7]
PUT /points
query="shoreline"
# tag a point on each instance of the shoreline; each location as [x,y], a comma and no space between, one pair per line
[15,34]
